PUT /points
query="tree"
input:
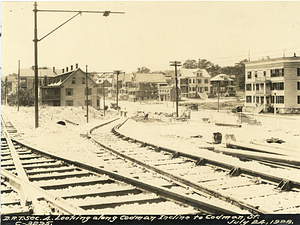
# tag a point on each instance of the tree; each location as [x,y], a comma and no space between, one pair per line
[26,98]
[143,70]
[190,64]
[204,64]
[214,70]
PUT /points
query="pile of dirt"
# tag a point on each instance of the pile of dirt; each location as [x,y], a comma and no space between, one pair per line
[228,105]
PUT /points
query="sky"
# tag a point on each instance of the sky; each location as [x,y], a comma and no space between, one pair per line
[150,33]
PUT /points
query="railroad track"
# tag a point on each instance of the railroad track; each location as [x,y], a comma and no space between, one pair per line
[250,190]
[36,182]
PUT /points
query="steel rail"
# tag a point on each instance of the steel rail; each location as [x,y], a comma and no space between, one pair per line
[161,191]
[282,183]
[242,170]
[188,183]
[27,200]
[58,202]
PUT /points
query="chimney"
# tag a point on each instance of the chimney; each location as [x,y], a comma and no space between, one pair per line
[71,67]
[54,70]
[67,69]
[76,65]
[63,70]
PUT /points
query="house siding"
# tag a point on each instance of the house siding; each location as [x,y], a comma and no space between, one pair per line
[289,79]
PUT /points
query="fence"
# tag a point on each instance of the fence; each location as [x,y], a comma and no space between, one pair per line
[284,122]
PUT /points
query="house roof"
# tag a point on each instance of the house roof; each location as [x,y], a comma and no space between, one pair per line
[102,79]
[41,72]
[221,77]
[149,77]
[193,72]
[69,74]
[127,77]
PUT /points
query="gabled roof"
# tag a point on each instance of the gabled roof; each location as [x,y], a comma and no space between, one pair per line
[221,77]
[149,77]
[41,72]
[103,79]
[193,72]
[69,74]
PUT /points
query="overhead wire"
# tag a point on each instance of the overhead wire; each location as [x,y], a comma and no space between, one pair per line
[110,40]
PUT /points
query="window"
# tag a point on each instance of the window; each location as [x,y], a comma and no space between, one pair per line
[89,91]
[205,88]
[89,102]
[69,102]
[277,86]
[298,85]
[206,81]
[248,99]
[257,99]
[249,75]
[298,72]
[279,99]
[255,74]
[83,80]
[73,80]
[277,72]
[257,87]
[248,87]
[265,73]
[69,91]
[199,81]
[298,99]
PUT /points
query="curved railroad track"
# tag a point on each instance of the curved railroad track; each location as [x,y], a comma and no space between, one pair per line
[250,190]
[39,183]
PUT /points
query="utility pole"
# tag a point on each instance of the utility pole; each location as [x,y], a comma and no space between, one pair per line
[275,92]
[218,95]
[87,93]
[118,72]
[36,78]
[176,63]
[103,98]
[36,40]
[5,91]
[18,85]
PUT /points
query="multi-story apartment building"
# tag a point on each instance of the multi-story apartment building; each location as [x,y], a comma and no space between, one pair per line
[271,82]
[194,83]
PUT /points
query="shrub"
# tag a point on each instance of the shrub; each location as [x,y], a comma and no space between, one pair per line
[26,98]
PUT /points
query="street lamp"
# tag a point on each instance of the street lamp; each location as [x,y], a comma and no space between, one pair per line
[36,40]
